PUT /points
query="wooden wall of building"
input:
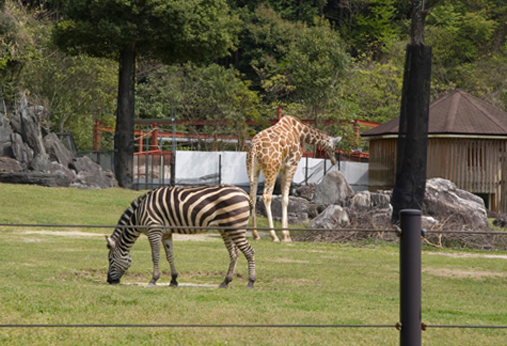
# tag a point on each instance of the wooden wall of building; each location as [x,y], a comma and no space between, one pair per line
[473,164]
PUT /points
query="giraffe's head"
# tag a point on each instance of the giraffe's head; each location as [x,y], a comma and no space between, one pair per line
[329,146]
[119,263]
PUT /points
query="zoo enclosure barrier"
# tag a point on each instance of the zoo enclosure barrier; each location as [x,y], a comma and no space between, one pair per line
[410,324]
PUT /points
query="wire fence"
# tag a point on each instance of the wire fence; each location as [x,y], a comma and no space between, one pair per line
[296,229]
[395,230]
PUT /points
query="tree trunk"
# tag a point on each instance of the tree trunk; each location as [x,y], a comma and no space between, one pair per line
[124,134]
[408,192]
[418,21]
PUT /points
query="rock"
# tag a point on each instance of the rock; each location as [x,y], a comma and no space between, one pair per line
[57,150]
[111,176]
[361,200]
[40,163]
[58,168]
[15,122]
[380,200]
[314,209]
[5,137]
[8,164]
[90,173]
[306,191]
[500,221]
[454,207]
[35,178]
[333,189]
[20,151]
[296,210]
[332,217]
[31,130]
[429,223]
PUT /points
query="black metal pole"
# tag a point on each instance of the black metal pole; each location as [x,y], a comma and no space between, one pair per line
[173,151]
[219,169]
[410,278]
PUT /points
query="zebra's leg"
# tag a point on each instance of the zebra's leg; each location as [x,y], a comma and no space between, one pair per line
[233,255]
[154,237]
[243,245]
[168,246]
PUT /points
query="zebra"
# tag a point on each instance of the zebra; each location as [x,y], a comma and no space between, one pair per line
[222,206]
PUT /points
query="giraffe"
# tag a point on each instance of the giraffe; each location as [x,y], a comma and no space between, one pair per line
[278,149]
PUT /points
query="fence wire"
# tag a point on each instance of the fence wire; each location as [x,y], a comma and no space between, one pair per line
[197,326]
[389,230]
[297,229]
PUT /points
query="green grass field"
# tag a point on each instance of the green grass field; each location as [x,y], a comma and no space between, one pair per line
[58,276]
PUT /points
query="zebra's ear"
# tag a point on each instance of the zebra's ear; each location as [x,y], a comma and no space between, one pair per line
[110,243]
[336,140]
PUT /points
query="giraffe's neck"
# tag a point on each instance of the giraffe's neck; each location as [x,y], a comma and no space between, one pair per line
[311,135]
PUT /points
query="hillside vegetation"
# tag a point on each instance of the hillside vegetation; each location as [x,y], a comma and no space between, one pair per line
[337,60]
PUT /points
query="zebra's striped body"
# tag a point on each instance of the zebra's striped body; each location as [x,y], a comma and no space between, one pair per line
[222,206]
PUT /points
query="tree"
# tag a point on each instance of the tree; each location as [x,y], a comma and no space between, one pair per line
[408,192]
[316,65]
[167,30]
[211,93]
[15,48]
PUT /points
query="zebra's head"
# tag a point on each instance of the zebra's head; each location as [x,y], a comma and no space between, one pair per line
[119,262]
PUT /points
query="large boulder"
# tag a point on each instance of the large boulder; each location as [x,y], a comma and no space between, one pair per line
[370,210]
[90,173]
[56,150]
[454,207]
[296,210]
[333,189]
[31,129]
[332,217]
[21,151]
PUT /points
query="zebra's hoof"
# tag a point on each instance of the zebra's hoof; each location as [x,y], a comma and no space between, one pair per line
[250,286]
[152,284]
[223,285]
[173,284]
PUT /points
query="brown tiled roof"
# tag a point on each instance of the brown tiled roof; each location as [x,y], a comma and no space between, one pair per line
[456,113]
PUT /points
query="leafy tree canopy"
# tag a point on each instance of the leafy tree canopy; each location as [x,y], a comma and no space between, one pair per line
[168,30]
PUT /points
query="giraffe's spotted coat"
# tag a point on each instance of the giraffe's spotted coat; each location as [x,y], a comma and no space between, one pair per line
[277,149]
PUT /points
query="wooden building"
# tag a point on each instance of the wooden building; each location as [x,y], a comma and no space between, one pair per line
[467,144]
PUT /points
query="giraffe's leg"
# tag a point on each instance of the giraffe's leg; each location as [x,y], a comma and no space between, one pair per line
[154,237]
[254,182]
[233,255]
[168,246]
[286,176]
[269,185]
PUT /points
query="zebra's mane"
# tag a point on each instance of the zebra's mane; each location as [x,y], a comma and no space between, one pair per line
[126,217]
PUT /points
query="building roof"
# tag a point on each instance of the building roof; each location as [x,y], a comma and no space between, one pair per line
[457,113]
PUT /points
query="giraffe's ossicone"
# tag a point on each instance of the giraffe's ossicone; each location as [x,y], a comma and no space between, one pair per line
[277,149]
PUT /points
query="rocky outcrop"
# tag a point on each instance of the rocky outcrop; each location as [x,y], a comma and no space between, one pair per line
[29,157]
[444,206]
